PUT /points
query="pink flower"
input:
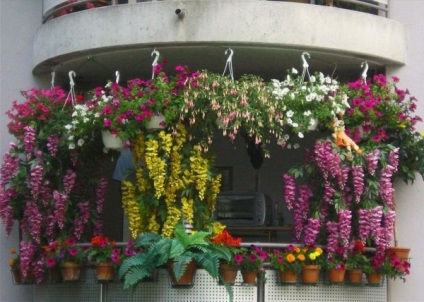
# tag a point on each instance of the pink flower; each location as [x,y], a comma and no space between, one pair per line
[73,252]
[51,262]
[238,258]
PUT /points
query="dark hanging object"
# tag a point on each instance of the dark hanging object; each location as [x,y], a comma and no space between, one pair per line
[255,153]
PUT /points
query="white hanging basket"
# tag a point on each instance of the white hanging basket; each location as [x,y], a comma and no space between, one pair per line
[156,122]
[112,141]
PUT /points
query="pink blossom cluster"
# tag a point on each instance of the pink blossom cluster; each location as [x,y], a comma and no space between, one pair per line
[386,189]
[60,208]
[100,200]
[358,182]
[36,177]
[289,190]
[393,159]
[69,181]
[34,221]
[338,234]
[53,144]
[29,139]
[311,231]
[300,210]
[372,161]
[82,220]
[9,166]
[27,251]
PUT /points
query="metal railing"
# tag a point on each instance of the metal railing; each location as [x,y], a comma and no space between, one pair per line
[59,8]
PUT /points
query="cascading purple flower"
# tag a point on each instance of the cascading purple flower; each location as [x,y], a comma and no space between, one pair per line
[364,228]
[345,227]
[53,144]
[100,200]
[393,159]
[6,210]
[60,208]
[81,221]
[311,231]
[69,181]
[9,167]
[39,271]
[374,217]
[386,189]
[36,177]
[389,224]
[289,190]
[300,210]
[358,182]
[29,139]
[372,161]
[27,252]
[332,237]
[35,219]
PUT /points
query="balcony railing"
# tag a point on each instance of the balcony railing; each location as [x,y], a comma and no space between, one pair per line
[57,8]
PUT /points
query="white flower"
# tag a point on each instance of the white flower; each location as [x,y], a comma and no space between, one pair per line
[312,79]
[307,113]
[86,120]
[71,146]
[295,125]
[300,134]
[289,113]
[286,137]
[80,142]
[70,137]
[68,127]
[296,146]
[294,71]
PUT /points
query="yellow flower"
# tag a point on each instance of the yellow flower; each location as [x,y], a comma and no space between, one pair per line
[318,250]
[11,262]
[217,228]
[312,256]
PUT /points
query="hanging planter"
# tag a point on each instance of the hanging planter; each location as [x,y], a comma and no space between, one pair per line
[249,277]
[71,271]
[374,279]
[287,276]
[336,275]
[157,122]
[112,141]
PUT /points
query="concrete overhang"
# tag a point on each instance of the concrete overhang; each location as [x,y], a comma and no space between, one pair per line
[267,38]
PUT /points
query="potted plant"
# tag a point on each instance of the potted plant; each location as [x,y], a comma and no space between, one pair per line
[355,262]
[251,261]
[50,257]
[19,276]
[227,267]
[70,257]
[311,264]
[335,265]
[288,261]
[106,256]
[180,254]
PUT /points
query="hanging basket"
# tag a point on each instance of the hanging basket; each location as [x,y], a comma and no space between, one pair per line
[310,274]
[157,122]
[105,271]
[19,279]
[186,280]
[112,141]
[228,272]
[354,276]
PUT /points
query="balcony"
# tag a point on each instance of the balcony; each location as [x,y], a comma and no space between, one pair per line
[266,36]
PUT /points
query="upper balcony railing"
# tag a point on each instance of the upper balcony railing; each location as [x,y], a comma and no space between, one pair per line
[56,8]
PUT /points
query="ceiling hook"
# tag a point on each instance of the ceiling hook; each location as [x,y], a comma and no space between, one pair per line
[334,69]
[365,71]
[156,54]
[53,75]
[229,63]
[72,75]
[305,66]
[117,77]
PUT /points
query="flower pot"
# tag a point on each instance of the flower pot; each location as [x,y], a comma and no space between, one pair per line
[70,271]
[310,274]
[336,275]
[402,253]
[374,279]
[354,276]
[105,271]
[287,276]
[228,272]
[157,122]
[249,277]
[19,279]
[112,141]
[186,279]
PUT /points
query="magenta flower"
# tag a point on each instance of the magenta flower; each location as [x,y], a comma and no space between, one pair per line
[238,258]
[73,252]
[50,262]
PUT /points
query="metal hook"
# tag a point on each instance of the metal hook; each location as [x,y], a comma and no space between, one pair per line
[364,73]
[305,66]
[229,63]
[71,75]
[53,75]
[155,61]
[305,63]
[117,77]
[334,70]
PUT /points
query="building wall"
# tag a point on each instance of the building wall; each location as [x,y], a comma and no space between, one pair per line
[409,199]
[20,19]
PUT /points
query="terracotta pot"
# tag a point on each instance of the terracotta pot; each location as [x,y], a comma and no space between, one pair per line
[310,274]
[329,2]
[354,276]
[249,277]
[374,279]
[287,276]
[18,277]
[336,275]
[70,271]
[402,253]
[187,277]
[112,141]
[228,272]
[105,271]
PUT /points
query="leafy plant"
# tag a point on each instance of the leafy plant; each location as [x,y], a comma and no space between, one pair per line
[102,250]
[251,259]
[289,258]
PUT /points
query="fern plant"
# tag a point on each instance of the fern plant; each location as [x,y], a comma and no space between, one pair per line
[181,249]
